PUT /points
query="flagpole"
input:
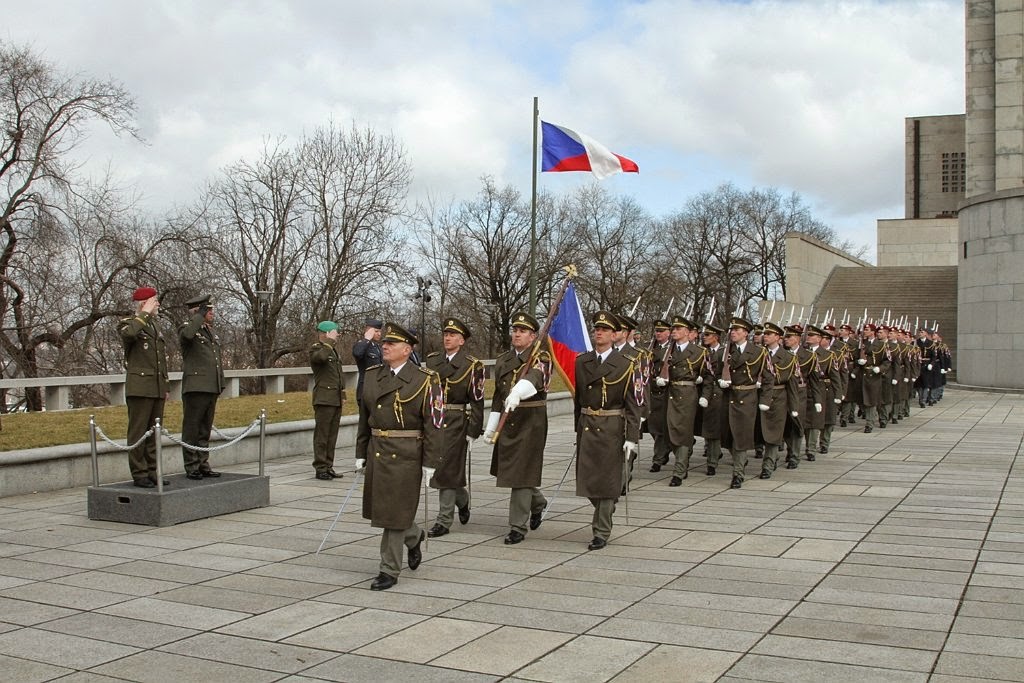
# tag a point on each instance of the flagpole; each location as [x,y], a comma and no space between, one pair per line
[533,216]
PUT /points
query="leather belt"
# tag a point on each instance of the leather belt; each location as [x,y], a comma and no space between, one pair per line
[456,406]
[684,383]
[533,404]
[744,387]
[602,413]
[779,386]
[398,433]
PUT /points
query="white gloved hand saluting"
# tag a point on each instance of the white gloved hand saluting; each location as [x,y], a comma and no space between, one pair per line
[724,383]
[702,402]
[360,463]
[522,390]
[492,424]
[817,407]
[661,381]
[628,449]
[428,473]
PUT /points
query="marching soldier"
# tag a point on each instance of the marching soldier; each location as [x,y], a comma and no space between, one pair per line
[928,356]
[609,391]
[400,441]
[852,379]
[945,364]
[462,378]
[817,394]
[874,363]
[328,396]
[713,416]
[800,394]
[747,377]
[146,385]
[831,360]
[517,461]
[773,422]
[202,382]
[687,372]
[626,345]
[658,406]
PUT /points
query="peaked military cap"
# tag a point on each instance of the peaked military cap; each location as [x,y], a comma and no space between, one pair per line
[814,329]
[794,330]
[327,326]
[712,329]
[373,322]
[846,326]
[680,321]
[628,323]
[197,301]
[772,328]
[393,332]
[523,319]
[606,320]
[758,328]
[660,324]
[871,326]
[143,293]
[456,325]
[740,323]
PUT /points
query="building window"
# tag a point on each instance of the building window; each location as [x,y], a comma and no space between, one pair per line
[954,171]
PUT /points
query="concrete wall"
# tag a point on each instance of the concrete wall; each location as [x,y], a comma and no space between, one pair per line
[808,264]
[928,139]
[923,242]
[990,299]
[981,97]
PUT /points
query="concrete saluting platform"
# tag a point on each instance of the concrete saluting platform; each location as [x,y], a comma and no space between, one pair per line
[899,556]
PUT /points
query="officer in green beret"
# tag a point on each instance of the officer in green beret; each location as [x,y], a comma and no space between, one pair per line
[202,382]
[328,396]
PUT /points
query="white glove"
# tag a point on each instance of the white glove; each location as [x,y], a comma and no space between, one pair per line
[837,401]
[523,389]
[876,369]
[794,413]
[853,375]
[894,382]
[699,380]
[762,407]
[906,379]
[724,383]
[492,424]
[943,371]
[469,439]
[757,384]
[702,402]
[628,449]
[428,473]
[360,463]
[661,381]
[862,361]
[929,366]
[817,407]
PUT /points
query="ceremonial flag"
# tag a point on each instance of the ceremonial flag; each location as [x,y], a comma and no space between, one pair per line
[568,336]
[567,150]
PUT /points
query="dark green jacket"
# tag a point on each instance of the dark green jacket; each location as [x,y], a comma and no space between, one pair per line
[202,369]
[328,389]
[145,357]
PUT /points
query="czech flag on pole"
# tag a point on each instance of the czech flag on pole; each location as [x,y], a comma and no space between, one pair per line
[568,336]
[567,150]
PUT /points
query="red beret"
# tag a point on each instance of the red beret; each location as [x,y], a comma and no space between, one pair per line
[143,293]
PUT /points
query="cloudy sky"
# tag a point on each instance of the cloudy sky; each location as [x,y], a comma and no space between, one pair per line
[804,95]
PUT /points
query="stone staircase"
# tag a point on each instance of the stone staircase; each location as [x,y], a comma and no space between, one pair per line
[928,292]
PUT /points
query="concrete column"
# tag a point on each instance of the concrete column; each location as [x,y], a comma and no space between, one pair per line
[117,394]
[981,96]
[57,398]
[275,384]
[230,388]
[1009,84]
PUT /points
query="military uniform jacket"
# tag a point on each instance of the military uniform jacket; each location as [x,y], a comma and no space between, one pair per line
[784,396]
[842,353]
[607,413]
[752,382]
[328,388]
[913,368]
[890,373]
[145,356]
[927,352]
[641,358]
[366,354]
[202,370]
[399,433]
[518,457]
[854,392]
[657,396]
[688,373]
[462,380]
[877,355]
[829,361]
[713,416]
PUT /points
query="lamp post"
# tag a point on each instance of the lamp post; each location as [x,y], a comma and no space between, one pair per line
[262,314]
[423,295]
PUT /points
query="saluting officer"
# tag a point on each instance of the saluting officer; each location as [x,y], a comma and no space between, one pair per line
[400,441]
[517,461]
[328,396]
[462,378]
[202,382]
[748,391]
[146,385]
[609,391]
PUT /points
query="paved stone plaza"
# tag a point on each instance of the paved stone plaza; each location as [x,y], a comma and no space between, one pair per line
[899,556]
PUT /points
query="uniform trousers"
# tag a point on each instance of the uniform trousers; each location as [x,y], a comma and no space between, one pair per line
[327,419]
[848,411]
[871,415]
[739,463]
[392,541]
[793,449]
[771,458]
[142,414]
[602,522]
[197,410]
[662,449]
[825,440]
[682,454]
[448,500]
[713,451]
[811,444]
[521,504]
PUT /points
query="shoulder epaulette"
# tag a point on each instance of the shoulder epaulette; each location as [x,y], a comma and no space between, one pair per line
[374,367]
[425,370]
[472,359]
[544,356]
[434,354]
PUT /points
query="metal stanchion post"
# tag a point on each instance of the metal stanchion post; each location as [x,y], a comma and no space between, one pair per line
[263,437]
[158,435]
[93,451]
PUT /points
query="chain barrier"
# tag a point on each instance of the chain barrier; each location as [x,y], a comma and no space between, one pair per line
[210,449]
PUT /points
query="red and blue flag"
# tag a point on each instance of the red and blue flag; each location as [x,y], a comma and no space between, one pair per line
[568,336]
[567,150]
